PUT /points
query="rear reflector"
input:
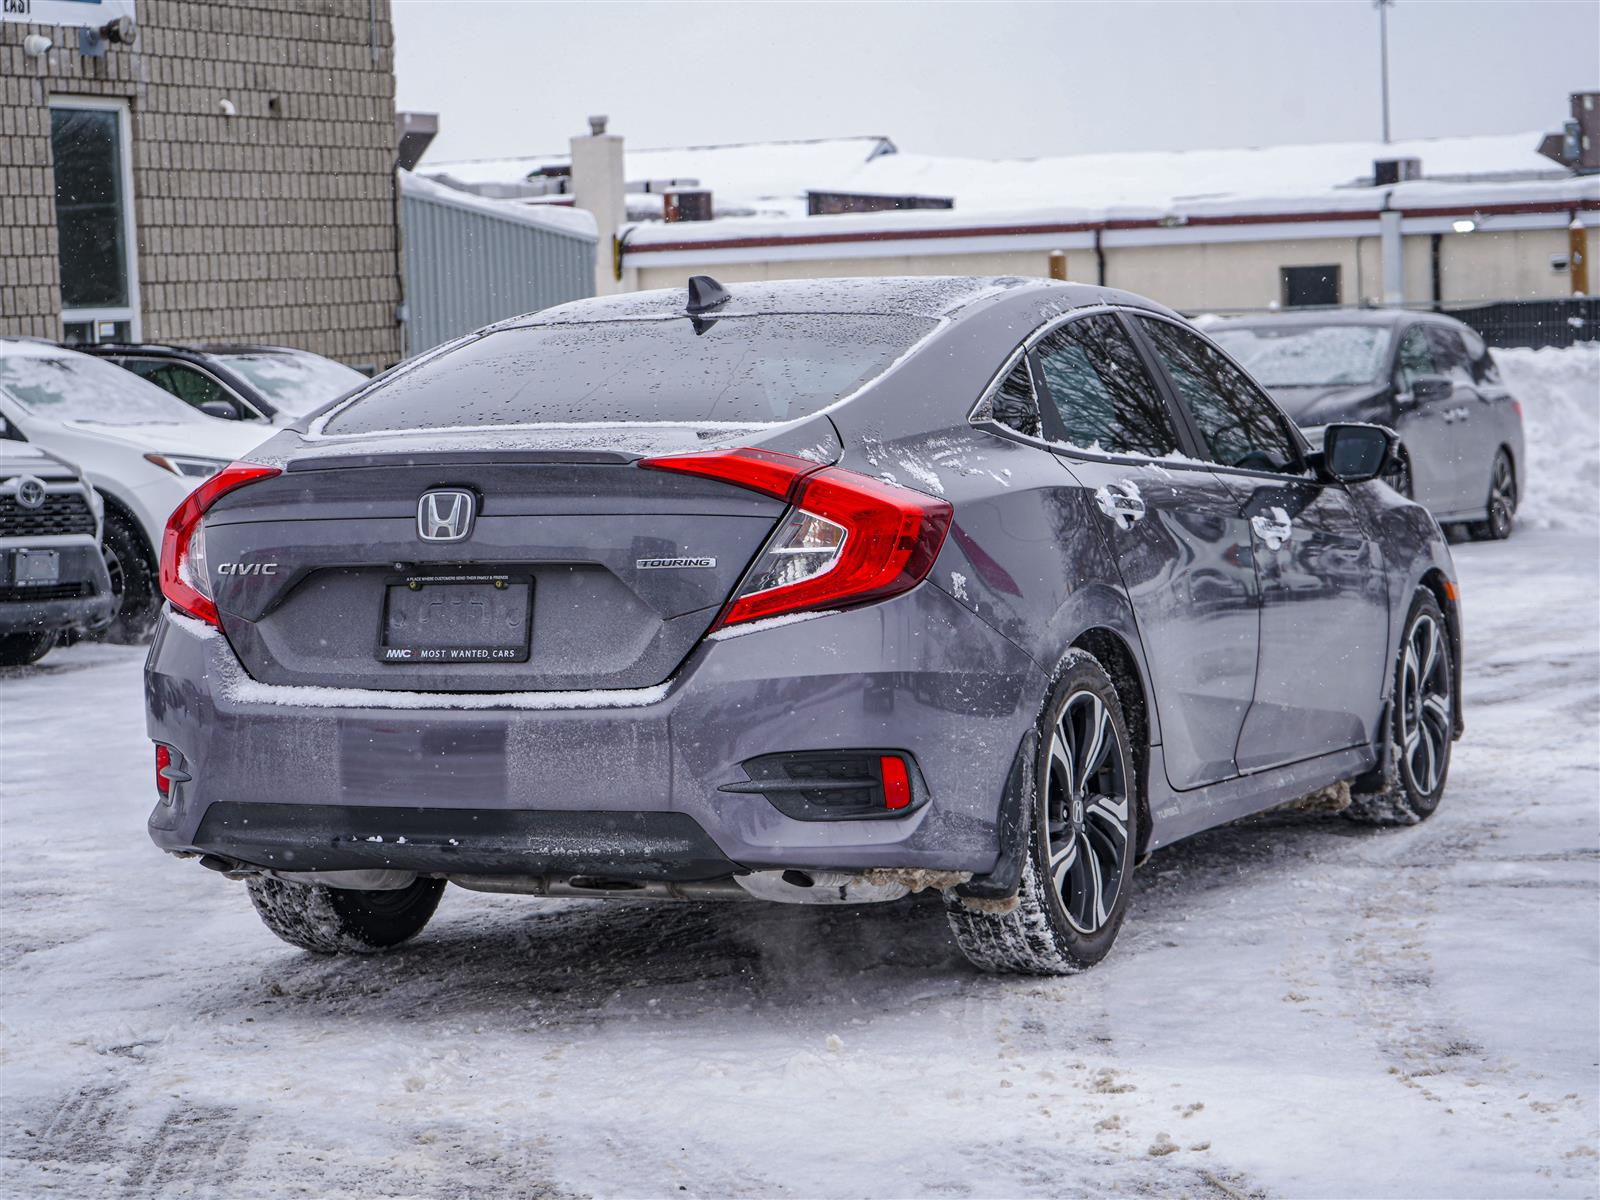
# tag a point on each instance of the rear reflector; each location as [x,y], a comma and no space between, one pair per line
[163,761]
[835,785]
[850,539]
[896,787]
[184,577]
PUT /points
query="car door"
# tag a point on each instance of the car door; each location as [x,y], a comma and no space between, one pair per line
[1469,427]
[1425,431]
[1324,608]
[1177,536]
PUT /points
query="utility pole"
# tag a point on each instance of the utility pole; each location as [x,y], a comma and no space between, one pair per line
[1383,7]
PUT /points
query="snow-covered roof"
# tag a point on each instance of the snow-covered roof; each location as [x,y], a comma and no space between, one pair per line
[1166,179]
[771,179]
[761,176]
[574,222]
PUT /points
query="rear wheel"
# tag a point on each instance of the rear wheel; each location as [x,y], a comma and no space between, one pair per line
[20,649]
[1416,757]
[133,581]
[1083,835]
[339,920]
[1501,510]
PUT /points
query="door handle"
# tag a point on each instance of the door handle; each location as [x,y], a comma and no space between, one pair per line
[1273,527]
[1121,502]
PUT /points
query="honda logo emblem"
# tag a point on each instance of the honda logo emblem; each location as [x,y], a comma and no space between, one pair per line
[446,515]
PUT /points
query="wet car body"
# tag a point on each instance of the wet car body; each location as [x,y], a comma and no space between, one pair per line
[630,744]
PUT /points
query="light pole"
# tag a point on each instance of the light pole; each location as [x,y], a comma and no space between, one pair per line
[1383,7]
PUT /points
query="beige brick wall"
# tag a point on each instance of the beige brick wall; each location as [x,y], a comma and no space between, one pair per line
[277,224]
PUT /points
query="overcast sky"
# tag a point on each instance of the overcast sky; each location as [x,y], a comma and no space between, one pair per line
[993,79]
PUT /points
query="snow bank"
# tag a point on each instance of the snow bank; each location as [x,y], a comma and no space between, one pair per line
[1560,395]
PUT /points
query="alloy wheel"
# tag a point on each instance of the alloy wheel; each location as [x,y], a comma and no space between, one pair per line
[1502,496]
[1424,702]
[119,579]
[1086,826]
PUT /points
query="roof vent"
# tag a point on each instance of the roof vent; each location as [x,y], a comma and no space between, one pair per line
[1387,171]
[705,294]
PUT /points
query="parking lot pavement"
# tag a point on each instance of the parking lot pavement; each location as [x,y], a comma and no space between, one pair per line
[1298,1006]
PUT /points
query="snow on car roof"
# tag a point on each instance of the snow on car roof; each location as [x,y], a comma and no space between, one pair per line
[929,296]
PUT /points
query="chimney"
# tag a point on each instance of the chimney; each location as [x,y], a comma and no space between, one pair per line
[1577,146]
[599,187]
[686,204]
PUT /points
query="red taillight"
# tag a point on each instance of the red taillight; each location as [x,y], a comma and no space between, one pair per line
[1517,404]
[163,761]
[896,785]
[851,539]
[183,569]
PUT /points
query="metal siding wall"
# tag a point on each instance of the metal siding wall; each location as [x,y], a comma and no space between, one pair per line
[465,269]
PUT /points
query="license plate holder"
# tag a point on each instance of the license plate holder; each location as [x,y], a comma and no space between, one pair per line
[455,619]
[35,568]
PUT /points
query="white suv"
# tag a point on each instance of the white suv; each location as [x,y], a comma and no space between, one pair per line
[142,449]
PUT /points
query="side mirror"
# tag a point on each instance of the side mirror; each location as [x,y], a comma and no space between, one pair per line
[1427,388]
[219,408]
[1354,453]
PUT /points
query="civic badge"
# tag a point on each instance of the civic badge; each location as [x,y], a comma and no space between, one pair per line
[445,515]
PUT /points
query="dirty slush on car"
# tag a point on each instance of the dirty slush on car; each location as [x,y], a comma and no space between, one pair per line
[816,592]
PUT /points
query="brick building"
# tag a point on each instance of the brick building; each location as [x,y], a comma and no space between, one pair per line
[224,171]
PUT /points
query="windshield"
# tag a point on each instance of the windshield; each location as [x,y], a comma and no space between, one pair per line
[295,382]
[732,369]
[75,387]
[1308,355]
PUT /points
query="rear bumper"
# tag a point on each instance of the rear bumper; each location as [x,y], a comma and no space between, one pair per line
[621,784]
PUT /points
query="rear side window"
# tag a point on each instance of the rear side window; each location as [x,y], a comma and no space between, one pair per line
[1100,389]
[729,369]
[1015,405]
[1239,424]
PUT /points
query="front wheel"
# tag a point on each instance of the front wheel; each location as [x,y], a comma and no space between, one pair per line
[1416,753]
[20,649]
[134,581]
[1083,837]
[329,920]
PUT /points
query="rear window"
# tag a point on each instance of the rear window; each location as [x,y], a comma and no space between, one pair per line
[742,370]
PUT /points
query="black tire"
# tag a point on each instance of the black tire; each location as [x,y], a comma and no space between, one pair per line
[20,649]
[1069,906]
[1500,510]
[1410,780]
[329,920]
[135,583]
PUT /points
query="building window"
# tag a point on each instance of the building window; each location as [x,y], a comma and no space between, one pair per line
[94,220]
[1308,287]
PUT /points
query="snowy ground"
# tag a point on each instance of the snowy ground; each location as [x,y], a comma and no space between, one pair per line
[1297,1007]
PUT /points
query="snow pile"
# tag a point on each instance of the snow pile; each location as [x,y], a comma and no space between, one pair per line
[1560,395]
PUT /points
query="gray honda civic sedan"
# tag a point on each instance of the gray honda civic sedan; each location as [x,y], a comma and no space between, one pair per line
[811,592]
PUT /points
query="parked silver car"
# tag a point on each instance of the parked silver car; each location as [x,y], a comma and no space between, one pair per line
[52,576]
[1426,376]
